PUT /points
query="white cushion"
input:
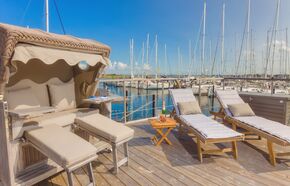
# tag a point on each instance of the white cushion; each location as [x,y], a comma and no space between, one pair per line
[271,127]
[208,128]
[21,99]
[63,147]
[106,128]
[62,96]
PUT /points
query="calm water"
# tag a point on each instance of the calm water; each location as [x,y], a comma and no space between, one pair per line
[140,103]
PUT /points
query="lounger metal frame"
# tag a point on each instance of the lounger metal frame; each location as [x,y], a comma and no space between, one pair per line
[201,139]
[252,130]
[117,163]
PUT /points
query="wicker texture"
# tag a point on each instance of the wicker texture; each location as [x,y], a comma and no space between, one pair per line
[11,35]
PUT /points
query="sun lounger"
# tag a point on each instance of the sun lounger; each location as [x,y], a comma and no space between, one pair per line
[112,132]
[204,128]
[63,147]
[274,132]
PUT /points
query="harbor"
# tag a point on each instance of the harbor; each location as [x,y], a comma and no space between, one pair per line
[149,93]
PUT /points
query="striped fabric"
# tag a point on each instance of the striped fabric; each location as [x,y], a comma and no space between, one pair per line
[206,126]
[268,126]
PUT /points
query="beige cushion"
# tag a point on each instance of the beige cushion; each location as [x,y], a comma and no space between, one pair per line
[21,99]
[62,96]
[63,147]
[32,112]
[241,109]
[104,127]
[187,108]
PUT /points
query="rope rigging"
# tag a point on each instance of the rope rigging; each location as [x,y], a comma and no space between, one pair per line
[59,16]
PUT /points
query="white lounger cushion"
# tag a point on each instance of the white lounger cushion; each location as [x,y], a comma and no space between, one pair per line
[208,127]
[271,127]
[63,147]
[105,127]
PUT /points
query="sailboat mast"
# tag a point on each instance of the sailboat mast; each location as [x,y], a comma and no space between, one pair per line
[286,57]
[156,56]
[203,38]
[132,56]
[142,60]
[147,50]
[189,58]
[178,66]
[165,60]
[210,54]
[47,15]
[275,34]
[248,36]
[223,39]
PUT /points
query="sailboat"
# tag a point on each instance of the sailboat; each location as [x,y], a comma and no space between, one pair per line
[153,85]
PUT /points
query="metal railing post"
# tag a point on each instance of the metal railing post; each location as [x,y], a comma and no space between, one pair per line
[125,102]
[199,91]
[212,97]
[272,87]
[163,103]
[153,105]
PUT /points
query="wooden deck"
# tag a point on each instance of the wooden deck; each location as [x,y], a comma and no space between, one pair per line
[178,165]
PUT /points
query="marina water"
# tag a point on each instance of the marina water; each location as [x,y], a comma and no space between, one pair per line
[140,103]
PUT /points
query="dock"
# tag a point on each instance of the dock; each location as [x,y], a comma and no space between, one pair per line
[178,164]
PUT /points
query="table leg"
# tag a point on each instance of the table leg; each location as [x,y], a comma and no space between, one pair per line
[164,136]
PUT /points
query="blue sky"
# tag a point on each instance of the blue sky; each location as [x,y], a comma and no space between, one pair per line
[114,22]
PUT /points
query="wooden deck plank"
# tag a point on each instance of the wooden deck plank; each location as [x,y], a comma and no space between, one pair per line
[198,175]
[246,178]
[82,176]
[100,181]
[64,177]
[175,157]
[177,164]
[106,174]
[127,180]
[160,167]
[58,180]
[236,173]
[163,174]
[133,173]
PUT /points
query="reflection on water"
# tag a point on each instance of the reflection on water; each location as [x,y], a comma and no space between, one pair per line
[140,103]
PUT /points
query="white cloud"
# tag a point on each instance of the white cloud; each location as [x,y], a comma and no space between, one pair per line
[282,46]
[121,66]
[117,65]
[146,67]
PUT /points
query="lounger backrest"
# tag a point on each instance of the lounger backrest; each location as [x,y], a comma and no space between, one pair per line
[181,95]
[227,97]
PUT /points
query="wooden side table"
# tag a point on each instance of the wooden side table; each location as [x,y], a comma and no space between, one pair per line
[159,126]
